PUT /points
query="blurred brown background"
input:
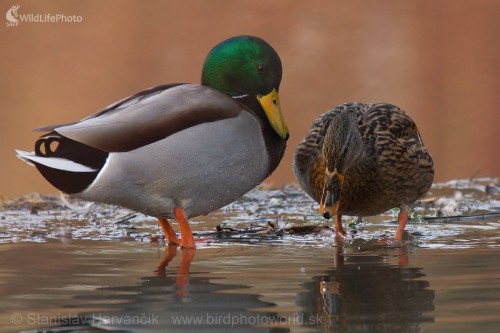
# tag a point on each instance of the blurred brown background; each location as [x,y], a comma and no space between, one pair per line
[437,59]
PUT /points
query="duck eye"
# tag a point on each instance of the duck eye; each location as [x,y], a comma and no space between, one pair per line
[261,69]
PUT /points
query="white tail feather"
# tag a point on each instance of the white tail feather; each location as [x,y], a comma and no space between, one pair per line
[53,162]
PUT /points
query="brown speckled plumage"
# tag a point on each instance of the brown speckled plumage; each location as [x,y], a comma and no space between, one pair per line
[393,168]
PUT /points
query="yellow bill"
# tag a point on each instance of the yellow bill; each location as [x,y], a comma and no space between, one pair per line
[271,105]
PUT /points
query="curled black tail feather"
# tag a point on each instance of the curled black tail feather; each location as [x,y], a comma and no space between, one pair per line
[70,150]
[57,146]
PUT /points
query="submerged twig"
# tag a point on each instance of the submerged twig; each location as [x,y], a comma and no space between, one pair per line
[471,217]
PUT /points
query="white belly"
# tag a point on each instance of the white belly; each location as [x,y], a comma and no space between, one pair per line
[199,169]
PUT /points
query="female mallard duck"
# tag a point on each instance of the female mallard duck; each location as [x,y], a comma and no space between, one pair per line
[177,150]
[364,159]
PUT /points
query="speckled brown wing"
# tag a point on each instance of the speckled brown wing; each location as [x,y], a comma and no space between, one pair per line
[405,168]
[394,168]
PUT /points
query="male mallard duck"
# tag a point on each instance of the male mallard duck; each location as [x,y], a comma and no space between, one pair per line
[176,150]
[364,159]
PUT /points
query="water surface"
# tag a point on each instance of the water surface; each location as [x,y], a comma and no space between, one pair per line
[273,266]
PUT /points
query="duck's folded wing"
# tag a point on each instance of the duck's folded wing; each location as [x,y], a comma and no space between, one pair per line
[149,116]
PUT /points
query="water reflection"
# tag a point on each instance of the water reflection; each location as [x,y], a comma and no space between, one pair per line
[372,290]
[362,293]
[176,300]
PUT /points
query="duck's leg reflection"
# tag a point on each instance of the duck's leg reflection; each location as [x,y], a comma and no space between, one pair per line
[182,279]
[403,257]
[338,256]
[170,253]
[343,291]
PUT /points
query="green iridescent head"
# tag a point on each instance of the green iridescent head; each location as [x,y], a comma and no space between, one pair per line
[247,66]
[242,65]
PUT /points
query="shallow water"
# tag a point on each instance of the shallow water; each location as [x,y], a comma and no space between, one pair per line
[272,267]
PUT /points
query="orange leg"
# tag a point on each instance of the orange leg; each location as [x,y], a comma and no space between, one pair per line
[187,240]
[402,220]
[339,229]
[168,232]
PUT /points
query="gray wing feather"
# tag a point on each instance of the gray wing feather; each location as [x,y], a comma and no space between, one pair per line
[149,117]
